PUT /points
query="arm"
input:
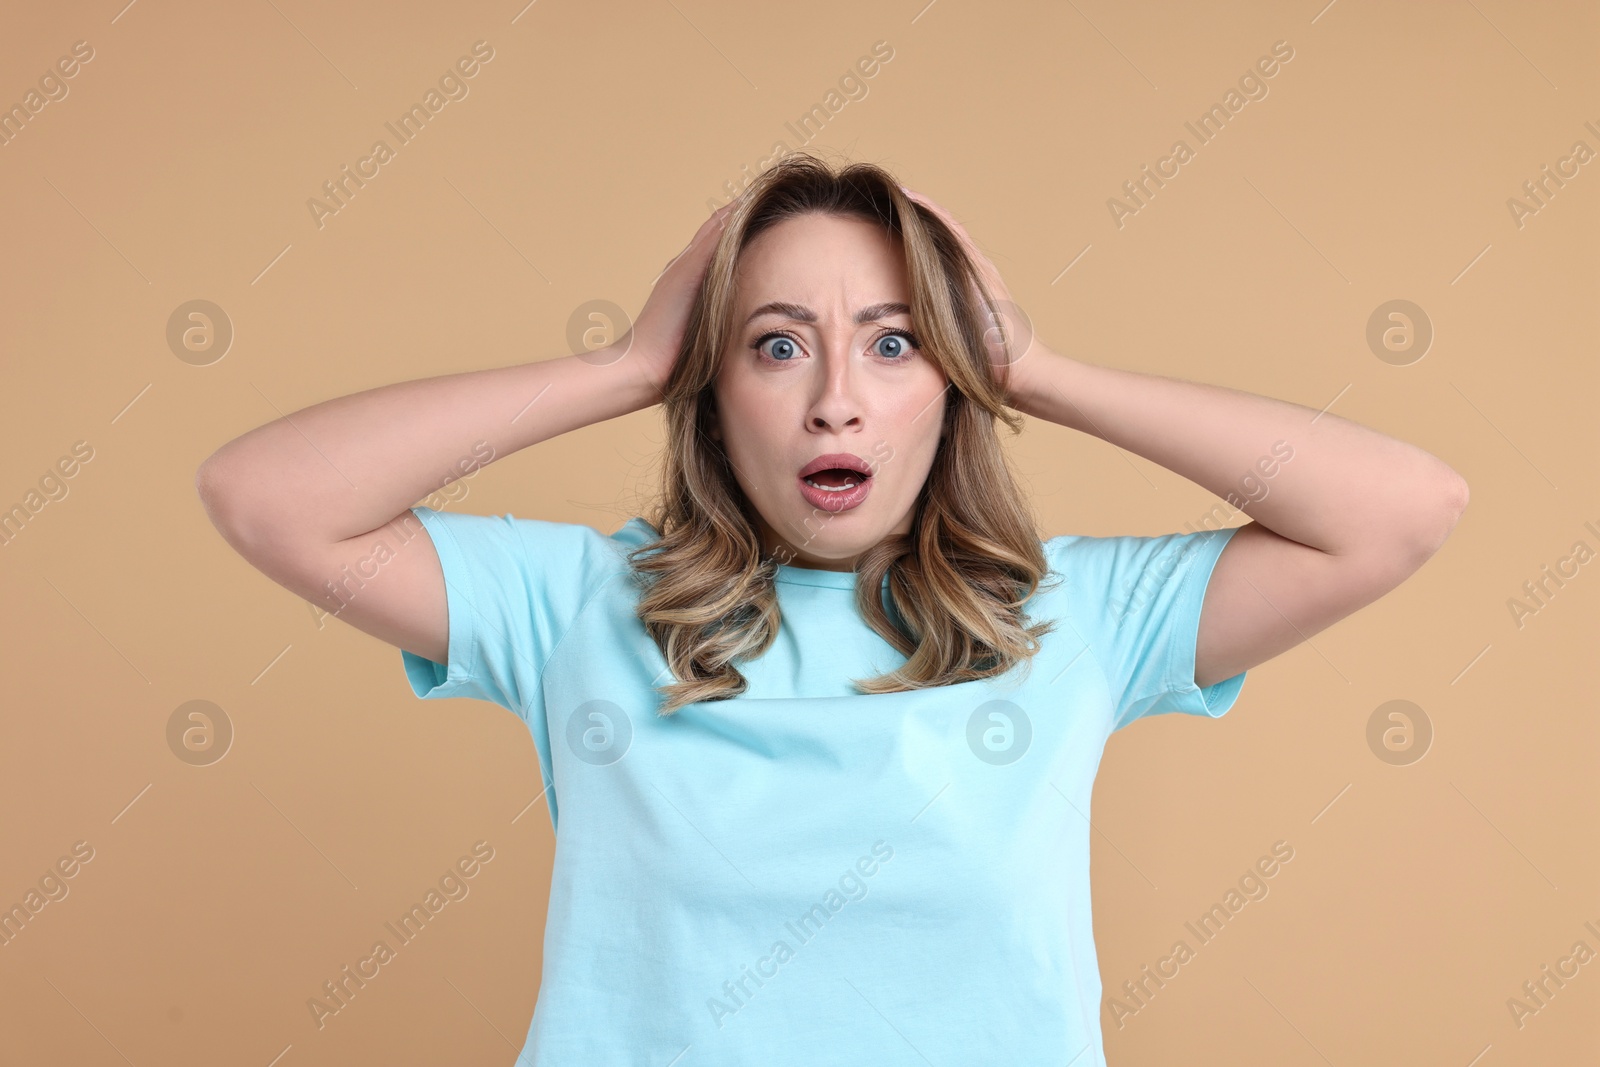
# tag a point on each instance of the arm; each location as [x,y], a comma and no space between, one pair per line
[304,497]
[1350,517]
[307,499]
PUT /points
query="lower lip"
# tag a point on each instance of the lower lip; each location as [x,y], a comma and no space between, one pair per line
[826,501]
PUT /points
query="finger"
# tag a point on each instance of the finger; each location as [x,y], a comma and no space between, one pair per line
[713,224]
[716,220]
[981,262]
[918,198]
[949,220]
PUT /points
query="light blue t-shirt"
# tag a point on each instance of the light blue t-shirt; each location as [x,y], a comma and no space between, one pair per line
[806,875]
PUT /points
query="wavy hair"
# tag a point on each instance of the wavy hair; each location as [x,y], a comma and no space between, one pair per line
[957,582]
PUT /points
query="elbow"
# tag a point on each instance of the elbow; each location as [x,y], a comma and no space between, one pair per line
[225,498]
[1458,497]
[1453,497]
[217,487]
[206,482]
[210,483]
[1447,502]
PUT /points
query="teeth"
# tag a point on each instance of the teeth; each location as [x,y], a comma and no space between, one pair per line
[831,488]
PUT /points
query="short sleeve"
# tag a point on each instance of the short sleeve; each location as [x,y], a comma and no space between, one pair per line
[514,588]
[1138,602]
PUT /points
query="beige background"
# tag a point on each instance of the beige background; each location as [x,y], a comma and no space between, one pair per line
[178,167]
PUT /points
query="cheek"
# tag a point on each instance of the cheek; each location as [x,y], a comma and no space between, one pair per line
[756,412]
[927,434]
[725,408]
[747,433]
[919,425]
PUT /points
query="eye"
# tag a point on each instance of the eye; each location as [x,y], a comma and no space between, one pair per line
[784,349]
[782,352]
[897,350]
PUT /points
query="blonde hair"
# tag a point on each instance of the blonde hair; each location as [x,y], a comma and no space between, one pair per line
[957,582]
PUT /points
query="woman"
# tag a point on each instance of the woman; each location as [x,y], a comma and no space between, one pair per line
[822,732]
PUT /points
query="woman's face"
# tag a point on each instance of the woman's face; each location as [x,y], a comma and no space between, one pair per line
[807,379]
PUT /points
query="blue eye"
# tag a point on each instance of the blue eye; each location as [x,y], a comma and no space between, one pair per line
[898,347]
[782,352]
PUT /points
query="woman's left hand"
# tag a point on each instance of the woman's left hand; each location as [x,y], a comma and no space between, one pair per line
[1006,321]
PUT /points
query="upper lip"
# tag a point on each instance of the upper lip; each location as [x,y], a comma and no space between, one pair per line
[845,460]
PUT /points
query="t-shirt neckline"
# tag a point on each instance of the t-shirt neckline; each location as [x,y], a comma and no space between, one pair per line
[813,576]
[787,574]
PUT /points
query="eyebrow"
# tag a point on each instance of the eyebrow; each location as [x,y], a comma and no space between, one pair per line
[801,313]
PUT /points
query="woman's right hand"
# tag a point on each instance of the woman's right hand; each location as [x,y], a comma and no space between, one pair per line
[657,333]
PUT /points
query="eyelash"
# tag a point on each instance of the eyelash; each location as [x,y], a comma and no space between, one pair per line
[770,334]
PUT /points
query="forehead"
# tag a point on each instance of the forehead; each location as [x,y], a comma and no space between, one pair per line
[822,260]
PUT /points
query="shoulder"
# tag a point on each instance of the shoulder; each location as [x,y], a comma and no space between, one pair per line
[1121,568]
[1088,559]
[1080,560]
[555,550]
[580,546]
[633,533]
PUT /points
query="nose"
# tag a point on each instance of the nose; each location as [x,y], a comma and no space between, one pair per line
[826,420]
[837,406]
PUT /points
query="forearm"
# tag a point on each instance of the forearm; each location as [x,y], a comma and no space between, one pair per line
[348,465]
[1344,488]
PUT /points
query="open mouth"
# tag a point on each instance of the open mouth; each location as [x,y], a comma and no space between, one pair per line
[836,479]
[836,482]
